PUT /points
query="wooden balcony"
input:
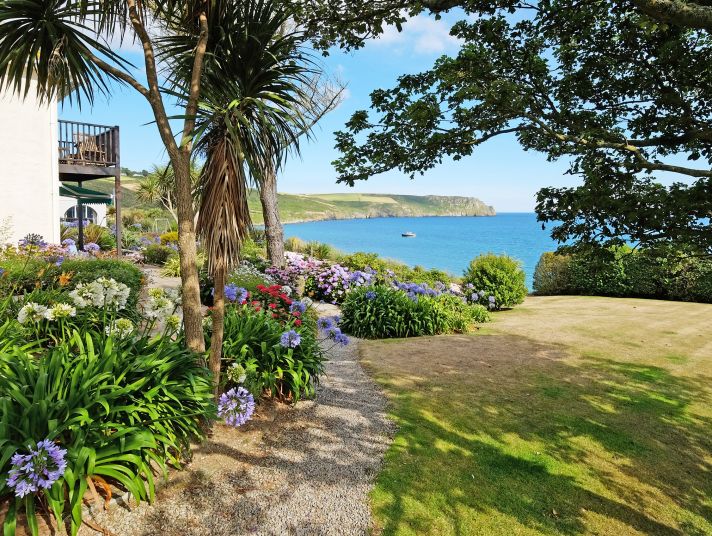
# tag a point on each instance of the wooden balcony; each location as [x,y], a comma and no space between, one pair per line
[87,151]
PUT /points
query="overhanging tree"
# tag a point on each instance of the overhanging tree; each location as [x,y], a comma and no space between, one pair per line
[65,45]
[622,91]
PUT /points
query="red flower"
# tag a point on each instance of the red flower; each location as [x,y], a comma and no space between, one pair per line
[275,315]
[297,322]
[272,305]
[258,308]
[297,314]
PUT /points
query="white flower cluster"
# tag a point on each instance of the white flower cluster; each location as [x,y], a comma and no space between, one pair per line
[34,312]
[236,373]
[122,327]
[103,292]
[159,306]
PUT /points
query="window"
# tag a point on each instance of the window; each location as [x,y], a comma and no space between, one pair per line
[90,214]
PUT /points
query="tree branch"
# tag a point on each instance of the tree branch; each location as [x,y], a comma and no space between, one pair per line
[624,146]
[154,91]
[678,12]
[191,108]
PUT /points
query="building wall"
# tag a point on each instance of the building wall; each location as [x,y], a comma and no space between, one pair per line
[29,174]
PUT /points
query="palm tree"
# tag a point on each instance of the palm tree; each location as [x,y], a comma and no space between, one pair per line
[250,115]
[64,48]
[158,188]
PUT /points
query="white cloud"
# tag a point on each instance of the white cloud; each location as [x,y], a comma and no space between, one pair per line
[420,35]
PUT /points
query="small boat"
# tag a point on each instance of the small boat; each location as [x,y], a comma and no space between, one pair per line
[409,234]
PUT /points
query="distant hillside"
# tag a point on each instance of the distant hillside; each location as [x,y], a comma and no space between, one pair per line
[314,207]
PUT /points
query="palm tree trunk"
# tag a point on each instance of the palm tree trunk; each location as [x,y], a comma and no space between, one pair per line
[273,226]
[216,340]
[192,313]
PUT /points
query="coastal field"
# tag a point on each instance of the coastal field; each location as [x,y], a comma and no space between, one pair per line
[567,415]
[317,207]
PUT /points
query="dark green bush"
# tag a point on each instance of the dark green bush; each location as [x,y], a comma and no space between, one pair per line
[624,272]
[382,312]
[552,274]
[500,276]
[88,270]
[600,274]
[119,408]
[157,254]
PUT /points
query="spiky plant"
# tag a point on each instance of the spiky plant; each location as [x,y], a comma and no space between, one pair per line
[251,114]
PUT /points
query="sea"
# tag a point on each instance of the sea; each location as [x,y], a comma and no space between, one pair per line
[444,242]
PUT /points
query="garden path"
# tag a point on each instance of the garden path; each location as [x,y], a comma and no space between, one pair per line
[301,470]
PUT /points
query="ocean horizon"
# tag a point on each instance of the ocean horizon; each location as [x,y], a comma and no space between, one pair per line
[444,242]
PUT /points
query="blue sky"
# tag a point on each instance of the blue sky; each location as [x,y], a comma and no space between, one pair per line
[500,172]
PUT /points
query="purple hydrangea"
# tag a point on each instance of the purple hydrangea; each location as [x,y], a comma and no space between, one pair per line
[297,306]
[91,247]
[290,339]
[236,406]
[39,469]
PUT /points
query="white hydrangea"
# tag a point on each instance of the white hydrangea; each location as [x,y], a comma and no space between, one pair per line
[123,327]
[61,310]
[208,322]
[32,312]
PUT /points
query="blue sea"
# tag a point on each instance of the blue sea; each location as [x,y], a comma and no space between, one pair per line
[448,243]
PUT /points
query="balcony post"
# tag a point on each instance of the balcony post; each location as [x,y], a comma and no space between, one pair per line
[117,189]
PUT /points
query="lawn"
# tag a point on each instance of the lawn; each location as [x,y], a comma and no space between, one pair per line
[567,415]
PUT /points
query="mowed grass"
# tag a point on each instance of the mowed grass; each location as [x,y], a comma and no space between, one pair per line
[567,415]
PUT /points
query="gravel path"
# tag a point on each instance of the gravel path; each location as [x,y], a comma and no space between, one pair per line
[303,470]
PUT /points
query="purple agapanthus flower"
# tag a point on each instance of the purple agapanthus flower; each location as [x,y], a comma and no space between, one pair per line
[325,323]
[68,242]
[236,406]
[370,295]
[290,339]
[298,306]
[339,337]
[91,247]
[39,469]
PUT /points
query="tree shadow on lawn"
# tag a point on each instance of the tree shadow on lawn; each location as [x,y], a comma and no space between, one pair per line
[503,433]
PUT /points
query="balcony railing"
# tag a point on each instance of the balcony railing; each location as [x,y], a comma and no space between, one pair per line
[84,144]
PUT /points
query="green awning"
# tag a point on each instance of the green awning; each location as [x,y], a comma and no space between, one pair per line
[84,195]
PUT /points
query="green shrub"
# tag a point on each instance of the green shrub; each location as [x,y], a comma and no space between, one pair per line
[252,340]
[552,274]
[99,235]
[171,237]
[157,254]
[118,407]
[252,251]
[87,270]
[402,272]
[319,250]
[382,312]
[600,273]
[171,268]
[500,276]
[295,244]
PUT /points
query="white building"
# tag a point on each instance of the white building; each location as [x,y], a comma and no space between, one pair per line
[38,154]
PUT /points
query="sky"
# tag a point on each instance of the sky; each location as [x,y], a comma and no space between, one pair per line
[500,172]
